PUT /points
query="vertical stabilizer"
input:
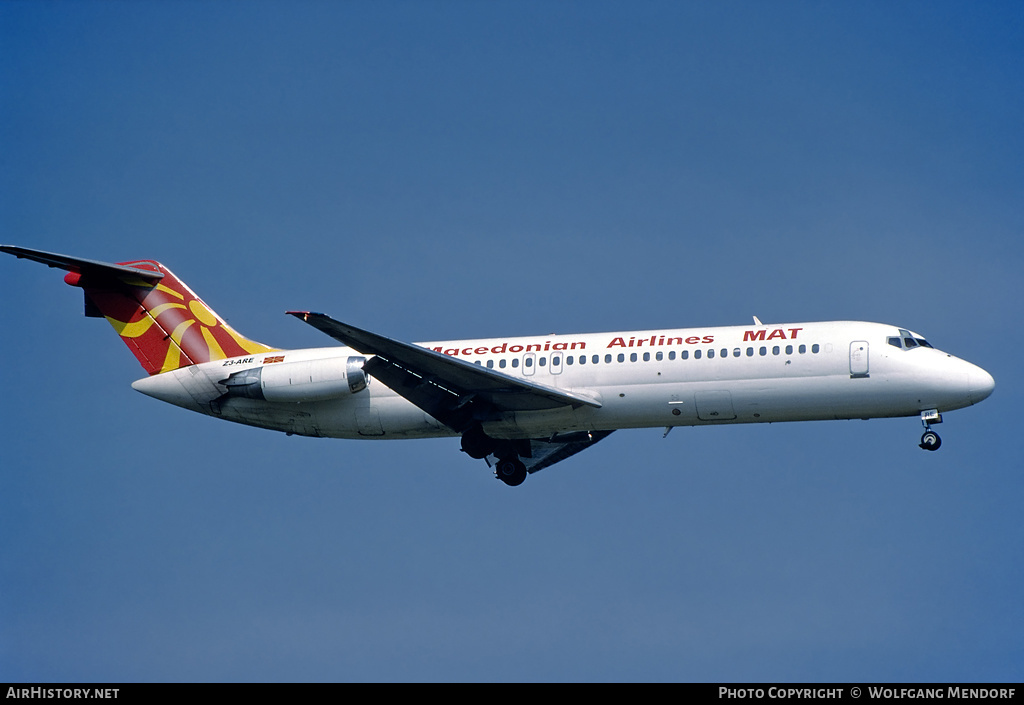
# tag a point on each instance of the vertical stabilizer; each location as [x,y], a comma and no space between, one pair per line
[158,317]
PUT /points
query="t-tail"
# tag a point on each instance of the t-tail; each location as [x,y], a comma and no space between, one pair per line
[160,319]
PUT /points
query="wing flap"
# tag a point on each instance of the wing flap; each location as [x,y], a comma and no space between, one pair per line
[545,453]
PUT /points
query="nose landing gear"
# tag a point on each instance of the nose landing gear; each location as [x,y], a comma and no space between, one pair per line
[930,440]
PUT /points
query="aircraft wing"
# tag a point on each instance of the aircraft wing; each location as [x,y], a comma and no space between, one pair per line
[455,392]
[545,453]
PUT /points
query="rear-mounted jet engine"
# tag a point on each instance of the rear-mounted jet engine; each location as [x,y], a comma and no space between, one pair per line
[309,380]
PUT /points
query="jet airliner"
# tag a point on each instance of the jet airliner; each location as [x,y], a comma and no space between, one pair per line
[519,403]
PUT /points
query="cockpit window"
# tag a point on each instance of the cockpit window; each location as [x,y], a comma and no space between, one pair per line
[907,340]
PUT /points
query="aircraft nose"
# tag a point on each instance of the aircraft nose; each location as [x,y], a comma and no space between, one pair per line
[980,384]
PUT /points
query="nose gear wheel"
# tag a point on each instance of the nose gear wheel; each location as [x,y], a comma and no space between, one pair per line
[930,440]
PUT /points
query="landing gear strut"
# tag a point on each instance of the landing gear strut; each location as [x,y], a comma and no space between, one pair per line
[930,440]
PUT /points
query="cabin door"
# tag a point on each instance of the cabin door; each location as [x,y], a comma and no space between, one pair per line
[859,358]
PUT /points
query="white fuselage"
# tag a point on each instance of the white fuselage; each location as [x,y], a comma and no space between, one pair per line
[663,378]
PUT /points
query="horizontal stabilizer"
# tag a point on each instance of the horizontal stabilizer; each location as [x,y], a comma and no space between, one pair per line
[82,266]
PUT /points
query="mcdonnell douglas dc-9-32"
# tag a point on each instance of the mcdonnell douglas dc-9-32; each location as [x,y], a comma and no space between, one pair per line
[520,403]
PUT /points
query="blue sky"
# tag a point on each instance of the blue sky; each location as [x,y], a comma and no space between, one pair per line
[437,170]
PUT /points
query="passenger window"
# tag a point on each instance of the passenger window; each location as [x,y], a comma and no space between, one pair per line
[763,351]
[622,357]
[671,354]
[608,357]
[711,353]
[596,359]
[789,349]
[659,356]
[557,360]
[776,350]
[515,362]
[750,352]
[736,352]
[501,363]
[569,360]
[815,348]
[490,364]
[647,357]
[725,352]
[802,349]
[529,362]
[543,361]
[696,354]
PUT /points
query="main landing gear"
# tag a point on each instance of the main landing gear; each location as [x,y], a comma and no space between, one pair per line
[930,440]
[509,468]
[511,471]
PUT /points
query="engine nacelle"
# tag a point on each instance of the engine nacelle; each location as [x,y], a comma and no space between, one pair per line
[308,380]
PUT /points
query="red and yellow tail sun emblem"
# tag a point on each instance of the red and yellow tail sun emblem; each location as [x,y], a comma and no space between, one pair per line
[166,325]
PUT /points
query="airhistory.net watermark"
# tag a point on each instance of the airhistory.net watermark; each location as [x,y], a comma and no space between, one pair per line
[62,693]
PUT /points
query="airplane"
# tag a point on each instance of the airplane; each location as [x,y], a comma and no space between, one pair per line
[521,404]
